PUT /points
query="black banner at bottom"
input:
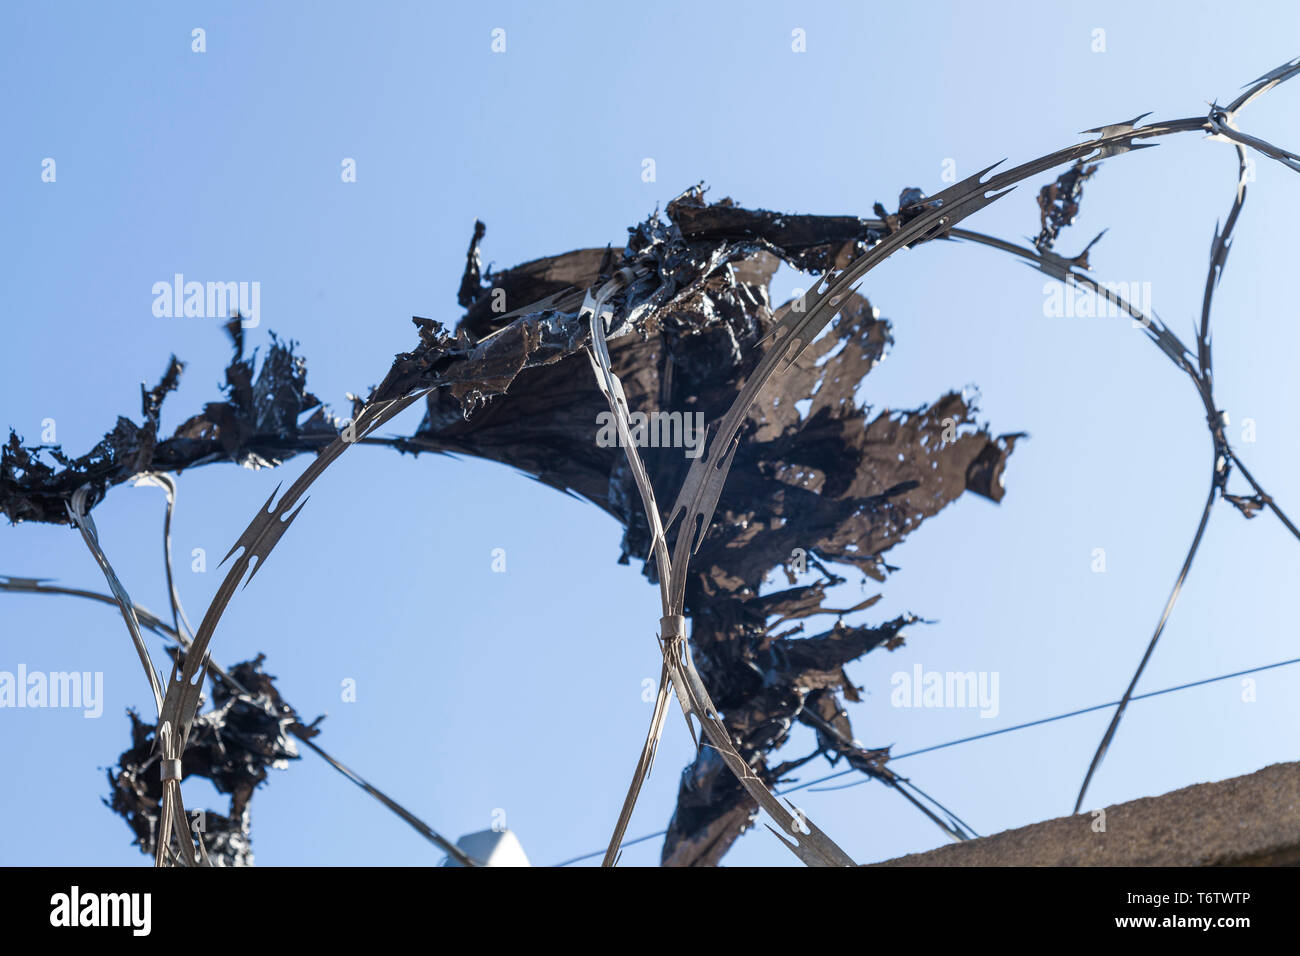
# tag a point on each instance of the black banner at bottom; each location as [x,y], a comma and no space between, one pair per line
[262,905]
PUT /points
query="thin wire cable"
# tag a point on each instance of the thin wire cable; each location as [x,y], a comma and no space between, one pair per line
[966,740]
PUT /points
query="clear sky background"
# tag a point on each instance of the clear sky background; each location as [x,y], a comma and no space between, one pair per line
[226,166]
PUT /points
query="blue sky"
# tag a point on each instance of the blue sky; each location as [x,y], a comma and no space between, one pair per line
[226,165]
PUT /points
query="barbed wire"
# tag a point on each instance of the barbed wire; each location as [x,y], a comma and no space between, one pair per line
[152,623]
[918,221]
[808,784]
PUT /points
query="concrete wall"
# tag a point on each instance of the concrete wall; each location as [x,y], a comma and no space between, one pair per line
[1246,821]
